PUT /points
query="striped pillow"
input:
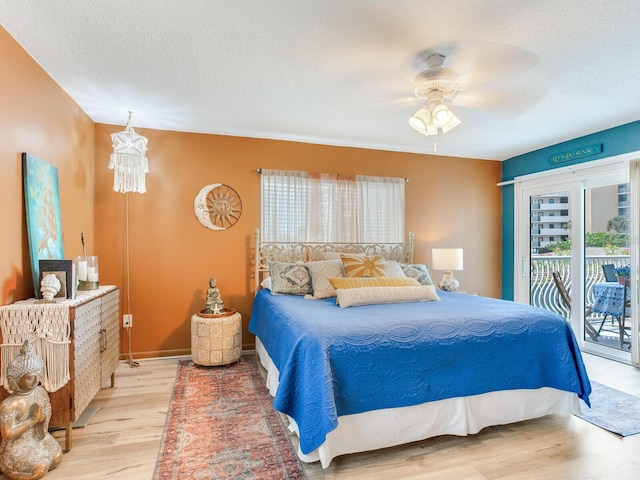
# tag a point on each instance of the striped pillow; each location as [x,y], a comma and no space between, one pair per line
[363,265]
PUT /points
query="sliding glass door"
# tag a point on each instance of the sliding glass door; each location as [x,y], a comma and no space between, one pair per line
[606,251]
[573,226]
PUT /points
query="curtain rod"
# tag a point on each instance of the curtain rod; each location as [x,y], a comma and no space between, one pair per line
[259,170]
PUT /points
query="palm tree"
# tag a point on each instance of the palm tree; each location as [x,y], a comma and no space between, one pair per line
[618,224]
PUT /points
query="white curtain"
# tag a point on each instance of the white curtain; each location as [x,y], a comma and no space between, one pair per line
[634,253]
[382,206]
[319,207]
[331,210]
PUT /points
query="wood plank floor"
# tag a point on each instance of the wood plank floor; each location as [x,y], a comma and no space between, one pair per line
[122,440]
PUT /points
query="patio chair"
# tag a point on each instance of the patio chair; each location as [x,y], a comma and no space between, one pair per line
[625,328]
[566,299]
[609,271]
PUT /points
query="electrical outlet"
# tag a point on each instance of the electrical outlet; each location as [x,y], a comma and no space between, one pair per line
[127,320]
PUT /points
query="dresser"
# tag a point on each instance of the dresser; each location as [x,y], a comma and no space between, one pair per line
[91,352]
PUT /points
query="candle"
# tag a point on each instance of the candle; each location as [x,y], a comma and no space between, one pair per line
[82,270]
[92,275]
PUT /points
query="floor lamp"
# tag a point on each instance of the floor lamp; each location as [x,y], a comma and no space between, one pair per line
[130,166]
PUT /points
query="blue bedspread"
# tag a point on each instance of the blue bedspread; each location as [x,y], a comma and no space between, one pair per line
[336,361]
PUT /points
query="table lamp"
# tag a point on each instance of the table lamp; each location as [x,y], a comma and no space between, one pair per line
[447,259]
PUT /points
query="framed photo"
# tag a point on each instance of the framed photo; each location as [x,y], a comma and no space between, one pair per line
[42,205]
[63,270]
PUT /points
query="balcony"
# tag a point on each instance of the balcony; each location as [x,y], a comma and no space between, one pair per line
[545,294]
[554,231]
[553,219]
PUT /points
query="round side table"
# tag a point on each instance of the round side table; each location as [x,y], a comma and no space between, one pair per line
[216,339]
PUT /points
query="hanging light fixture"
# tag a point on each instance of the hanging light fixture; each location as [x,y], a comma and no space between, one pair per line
[128,160]
[434,118]
[130,166]
[435,84]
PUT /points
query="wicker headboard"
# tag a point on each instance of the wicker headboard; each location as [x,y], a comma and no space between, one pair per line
[308,252]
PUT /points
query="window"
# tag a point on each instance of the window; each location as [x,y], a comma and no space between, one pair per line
[310,207]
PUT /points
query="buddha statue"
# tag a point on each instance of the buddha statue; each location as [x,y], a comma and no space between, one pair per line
[213,304]
[27,449]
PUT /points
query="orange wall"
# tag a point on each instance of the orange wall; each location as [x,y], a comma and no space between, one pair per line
[449,202]
[37,117]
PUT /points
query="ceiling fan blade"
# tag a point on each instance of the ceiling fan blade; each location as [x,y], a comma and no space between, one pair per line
[498,102]
[504,65]
[403,101]
[481,62]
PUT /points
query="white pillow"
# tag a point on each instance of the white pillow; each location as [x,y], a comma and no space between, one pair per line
[321,272]
[393,269]
[266,283]
[353,297]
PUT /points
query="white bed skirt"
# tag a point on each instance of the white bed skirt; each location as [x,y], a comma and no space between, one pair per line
[456,416]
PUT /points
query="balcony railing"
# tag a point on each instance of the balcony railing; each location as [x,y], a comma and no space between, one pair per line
[543,290]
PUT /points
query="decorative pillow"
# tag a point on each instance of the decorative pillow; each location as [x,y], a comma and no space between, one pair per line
[359,282]
[266,283]
[290,278]
[363,265]
[353,297]
[321,272]
[331,255]
[393,269]
[418,271]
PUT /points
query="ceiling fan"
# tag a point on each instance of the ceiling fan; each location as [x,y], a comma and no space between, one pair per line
[435,84]
[479,66]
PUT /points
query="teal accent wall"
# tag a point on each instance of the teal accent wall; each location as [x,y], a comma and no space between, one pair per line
[615,141]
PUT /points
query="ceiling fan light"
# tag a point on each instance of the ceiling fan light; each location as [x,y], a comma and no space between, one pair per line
[421,120]
[453,122]
[441,114]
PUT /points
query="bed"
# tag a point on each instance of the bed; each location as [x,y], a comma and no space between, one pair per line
[358,378]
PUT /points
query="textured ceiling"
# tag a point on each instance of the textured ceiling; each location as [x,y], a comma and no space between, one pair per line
[340,72]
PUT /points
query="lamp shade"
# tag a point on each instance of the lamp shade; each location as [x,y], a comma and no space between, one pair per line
[447,259]
[421,120]
[452,122]
[441,114]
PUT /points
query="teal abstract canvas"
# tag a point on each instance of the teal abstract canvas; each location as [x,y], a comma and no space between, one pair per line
[42,205]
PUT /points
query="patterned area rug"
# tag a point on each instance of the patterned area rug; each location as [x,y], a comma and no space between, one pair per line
[613,410]
[221,425]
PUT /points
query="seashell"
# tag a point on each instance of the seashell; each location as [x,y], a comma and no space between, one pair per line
[50,286]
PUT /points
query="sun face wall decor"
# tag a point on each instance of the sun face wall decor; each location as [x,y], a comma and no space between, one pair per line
[217,206]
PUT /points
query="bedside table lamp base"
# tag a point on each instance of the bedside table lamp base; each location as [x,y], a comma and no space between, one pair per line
[448,282]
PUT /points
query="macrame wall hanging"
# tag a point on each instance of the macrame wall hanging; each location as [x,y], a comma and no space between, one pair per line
[47,328]
[128,160]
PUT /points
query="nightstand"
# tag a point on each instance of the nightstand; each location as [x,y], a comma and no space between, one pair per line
[216,339]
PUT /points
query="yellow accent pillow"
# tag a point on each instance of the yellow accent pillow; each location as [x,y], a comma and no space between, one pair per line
[363,265]
[360,282]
